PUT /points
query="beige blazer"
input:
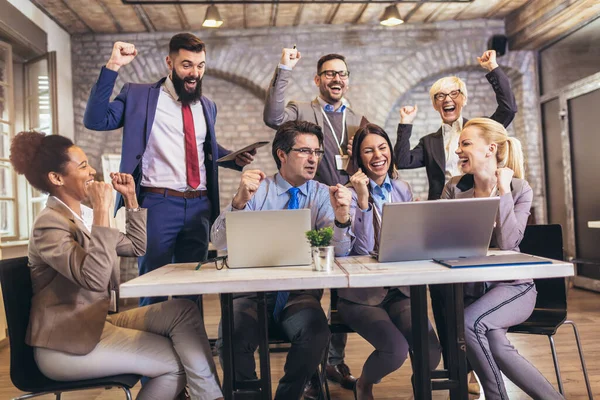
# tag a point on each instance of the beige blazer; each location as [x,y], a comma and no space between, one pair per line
[72,273]
[276,112]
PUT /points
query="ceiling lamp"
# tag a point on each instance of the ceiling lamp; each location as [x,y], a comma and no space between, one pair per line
[391,16]
[212,18]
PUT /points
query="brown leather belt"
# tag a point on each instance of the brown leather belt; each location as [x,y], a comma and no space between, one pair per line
[190,194]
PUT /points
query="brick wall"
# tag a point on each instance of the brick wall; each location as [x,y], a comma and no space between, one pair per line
[390,68]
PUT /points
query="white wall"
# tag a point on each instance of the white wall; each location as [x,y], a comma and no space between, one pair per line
[60,41]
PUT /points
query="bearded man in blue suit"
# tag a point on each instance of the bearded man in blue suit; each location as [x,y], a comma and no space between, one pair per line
[169,147]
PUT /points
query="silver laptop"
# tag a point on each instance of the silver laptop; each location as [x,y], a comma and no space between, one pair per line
[268,238]
[440,229]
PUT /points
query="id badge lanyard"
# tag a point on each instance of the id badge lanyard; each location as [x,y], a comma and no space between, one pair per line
[338,142]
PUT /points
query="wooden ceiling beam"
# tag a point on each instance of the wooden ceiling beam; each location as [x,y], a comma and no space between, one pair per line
[434,14]
[332,13]
[110,15]
[68,7]
[143,16]
[412,12]
[245,14]
[274,12]
[499,6]
[360,13]
[298,16]
[182,18]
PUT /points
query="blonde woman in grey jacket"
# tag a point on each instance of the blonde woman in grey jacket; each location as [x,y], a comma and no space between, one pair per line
[492,163]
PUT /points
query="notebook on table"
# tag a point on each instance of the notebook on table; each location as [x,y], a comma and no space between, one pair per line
[273,238]
[440,229]
[493,261]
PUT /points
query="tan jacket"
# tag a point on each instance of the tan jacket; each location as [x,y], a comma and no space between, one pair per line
[72,273]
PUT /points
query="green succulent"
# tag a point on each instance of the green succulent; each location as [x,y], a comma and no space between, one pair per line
[320,237]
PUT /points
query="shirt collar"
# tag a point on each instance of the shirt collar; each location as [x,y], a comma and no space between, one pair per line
[329,108]
[170,88]
[379,190]
[456,126]
[87,214]
[283,186]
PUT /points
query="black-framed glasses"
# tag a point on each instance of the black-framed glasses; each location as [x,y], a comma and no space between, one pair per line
[305,152]
[442,96]
[330,74]
[216,260]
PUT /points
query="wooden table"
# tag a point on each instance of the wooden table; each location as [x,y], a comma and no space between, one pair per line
[357,271]
[184,279]
[364,271]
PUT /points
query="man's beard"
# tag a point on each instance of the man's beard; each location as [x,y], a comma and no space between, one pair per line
[184,96]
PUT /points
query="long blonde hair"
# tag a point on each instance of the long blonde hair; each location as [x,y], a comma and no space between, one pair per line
[510,151]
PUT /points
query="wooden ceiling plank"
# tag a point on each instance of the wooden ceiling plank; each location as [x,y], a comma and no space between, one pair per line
[51,16]
[110,15]
[413,11]
[182,18]
[274,12]
[497,8]
[143,16]
[68,7]
[245,8]
[333,13]
[360,13]
[436,11]
[298,18]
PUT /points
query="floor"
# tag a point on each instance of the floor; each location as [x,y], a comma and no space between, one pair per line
[584,309]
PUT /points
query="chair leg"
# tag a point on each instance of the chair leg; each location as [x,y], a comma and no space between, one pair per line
[323,376]
[127,393]
[556,367]
[580,349]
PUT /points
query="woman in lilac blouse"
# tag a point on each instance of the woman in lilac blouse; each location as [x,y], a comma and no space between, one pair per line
[492,163]
[380,315]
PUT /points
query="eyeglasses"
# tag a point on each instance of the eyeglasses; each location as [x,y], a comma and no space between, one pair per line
[305,152]
[442,96]
[330,74]
[223,260]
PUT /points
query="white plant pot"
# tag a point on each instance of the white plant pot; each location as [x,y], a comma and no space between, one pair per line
[322,258]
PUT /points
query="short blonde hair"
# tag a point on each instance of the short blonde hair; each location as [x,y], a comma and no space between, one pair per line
[510,151]
[447,80]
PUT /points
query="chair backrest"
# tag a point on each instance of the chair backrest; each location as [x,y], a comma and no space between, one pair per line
[17,292]
[546,241]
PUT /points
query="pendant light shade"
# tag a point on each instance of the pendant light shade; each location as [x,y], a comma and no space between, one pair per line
[391,16]
[212,18]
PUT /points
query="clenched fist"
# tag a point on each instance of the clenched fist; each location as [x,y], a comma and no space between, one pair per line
[122,54]
[360,183]
[100,195]
[503,179]
[488,60]
[124,184]
[249,184]
[340,198]
[290,57]
[408,114]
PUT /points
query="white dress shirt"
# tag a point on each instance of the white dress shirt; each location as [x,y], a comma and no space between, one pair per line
[163,163]
[451,134]
[87,214]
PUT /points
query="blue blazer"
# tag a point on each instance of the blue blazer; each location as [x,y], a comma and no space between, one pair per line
[134,110]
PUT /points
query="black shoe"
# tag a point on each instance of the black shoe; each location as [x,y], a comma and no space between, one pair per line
[341,374]
[311,389]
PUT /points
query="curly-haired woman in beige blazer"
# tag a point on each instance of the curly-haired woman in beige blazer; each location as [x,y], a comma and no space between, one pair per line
[73,256]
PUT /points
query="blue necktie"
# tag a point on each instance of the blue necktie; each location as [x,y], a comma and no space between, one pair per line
[282,297]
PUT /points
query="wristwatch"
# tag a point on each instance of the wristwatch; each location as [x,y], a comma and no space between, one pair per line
[343,225]
[133,209]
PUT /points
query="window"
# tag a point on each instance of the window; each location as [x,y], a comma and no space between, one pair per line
[19,202]
[8,201]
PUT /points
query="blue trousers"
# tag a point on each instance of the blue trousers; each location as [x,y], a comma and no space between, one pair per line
[177,232]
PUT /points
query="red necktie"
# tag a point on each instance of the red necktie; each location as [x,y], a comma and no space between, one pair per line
[192,168]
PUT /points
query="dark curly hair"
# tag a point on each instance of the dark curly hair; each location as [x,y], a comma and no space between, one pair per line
[35,155]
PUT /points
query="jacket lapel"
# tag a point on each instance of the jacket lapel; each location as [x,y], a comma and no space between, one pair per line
[153,93]
[437,149]
[317,110]
[68,214]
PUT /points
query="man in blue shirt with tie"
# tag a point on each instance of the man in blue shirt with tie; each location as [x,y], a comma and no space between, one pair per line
[297,149]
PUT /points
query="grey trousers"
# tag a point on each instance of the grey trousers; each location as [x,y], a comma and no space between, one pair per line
[165,342]
[388,328]
[303,323]
[489,350]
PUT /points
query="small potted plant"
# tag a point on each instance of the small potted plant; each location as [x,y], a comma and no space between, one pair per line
[321,250]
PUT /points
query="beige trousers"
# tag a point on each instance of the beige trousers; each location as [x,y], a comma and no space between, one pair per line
[165,342]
